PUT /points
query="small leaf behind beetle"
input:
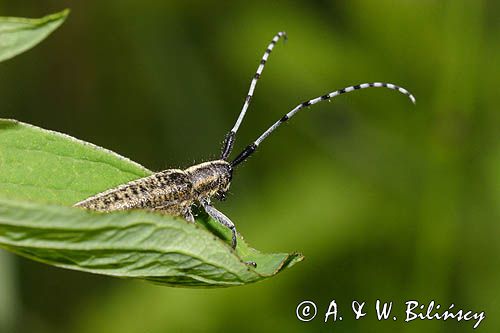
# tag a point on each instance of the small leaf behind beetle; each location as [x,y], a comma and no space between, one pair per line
[43,172]
[19,34]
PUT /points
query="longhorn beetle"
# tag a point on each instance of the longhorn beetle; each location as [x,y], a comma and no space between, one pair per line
[175,191]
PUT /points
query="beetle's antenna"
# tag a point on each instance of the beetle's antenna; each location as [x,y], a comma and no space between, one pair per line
[227,146]
[252,147]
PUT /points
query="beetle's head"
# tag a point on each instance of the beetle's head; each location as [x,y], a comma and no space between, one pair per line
[211,179]
[224,181]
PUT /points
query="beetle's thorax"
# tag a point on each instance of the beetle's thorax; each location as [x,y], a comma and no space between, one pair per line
[210,178]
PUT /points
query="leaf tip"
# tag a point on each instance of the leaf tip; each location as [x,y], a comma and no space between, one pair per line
[59,16]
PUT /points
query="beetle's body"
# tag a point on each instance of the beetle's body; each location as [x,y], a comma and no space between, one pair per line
[171,191]
[174,191]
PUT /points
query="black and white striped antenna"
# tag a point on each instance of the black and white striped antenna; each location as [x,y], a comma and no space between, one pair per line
[229,140]
[253,146]
[227,146]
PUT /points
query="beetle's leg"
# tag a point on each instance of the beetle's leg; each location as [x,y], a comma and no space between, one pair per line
[221,218]
[225,221]
[188,215]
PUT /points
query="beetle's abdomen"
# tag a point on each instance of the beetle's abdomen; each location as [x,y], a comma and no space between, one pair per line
[171,189]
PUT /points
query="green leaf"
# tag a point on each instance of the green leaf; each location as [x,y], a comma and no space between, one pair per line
[43,172]
[20,34]
[46,166]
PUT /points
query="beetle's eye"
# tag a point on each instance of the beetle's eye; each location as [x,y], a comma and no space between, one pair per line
[221,195]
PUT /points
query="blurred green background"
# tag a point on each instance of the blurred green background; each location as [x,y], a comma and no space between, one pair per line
[386,200]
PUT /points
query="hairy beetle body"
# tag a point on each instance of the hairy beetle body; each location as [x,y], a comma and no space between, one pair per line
[171,191]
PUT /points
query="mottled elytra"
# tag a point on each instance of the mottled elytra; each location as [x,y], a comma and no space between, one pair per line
[175,191]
